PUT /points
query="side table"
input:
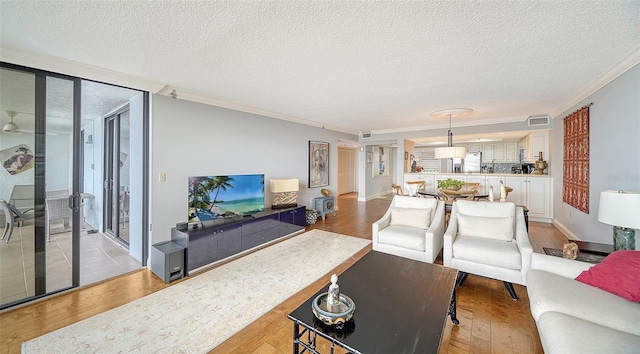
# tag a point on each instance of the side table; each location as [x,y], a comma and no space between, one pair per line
[325,205]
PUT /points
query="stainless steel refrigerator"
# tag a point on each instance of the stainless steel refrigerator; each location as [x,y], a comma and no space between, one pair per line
[471,163]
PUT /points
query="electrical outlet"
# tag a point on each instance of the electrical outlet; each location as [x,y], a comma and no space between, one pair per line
[162,177]
[311,200]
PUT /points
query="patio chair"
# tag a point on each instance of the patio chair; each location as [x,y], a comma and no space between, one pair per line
[12,217]
[57,210]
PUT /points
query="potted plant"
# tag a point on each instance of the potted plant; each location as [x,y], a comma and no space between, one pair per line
[450,184]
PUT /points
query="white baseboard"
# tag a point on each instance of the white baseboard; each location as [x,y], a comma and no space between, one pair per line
[570,235]
[544,220]
[375,196]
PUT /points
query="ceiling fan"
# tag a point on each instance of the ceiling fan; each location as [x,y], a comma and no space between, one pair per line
[13,129]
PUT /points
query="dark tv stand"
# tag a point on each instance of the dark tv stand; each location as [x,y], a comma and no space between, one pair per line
[222,238]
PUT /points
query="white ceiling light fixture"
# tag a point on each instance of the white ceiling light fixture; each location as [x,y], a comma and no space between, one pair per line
[451,151]
[11,127]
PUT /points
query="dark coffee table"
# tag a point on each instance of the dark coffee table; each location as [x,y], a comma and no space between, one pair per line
[600,249]
[401,307]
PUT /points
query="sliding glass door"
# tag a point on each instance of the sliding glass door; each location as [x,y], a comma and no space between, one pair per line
[61,194]
[39,252]
[116,182]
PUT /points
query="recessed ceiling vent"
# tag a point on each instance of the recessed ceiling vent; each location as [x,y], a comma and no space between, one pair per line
[367,135]
[538,120]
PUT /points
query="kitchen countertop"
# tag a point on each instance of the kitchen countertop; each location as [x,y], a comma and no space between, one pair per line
[477,174]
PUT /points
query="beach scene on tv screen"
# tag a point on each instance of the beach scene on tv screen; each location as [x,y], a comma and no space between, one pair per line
[212,197]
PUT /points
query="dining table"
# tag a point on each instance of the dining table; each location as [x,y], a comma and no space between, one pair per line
[480,193]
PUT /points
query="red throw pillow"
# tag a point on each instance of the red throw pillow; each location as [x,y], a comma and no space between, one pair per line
[619,274]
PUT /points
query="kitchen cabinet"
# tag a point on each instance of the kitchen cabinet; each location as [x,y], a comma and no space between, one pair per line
[511,152]
[488,181]
[430,180]
[499,152]
[533,144]
[487,153]
[482,180]
[535,193]
[539,142]
[475,147]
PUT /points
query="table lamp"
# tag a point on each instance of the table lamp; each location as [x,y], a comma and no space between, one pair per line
[284,193]
[622,210]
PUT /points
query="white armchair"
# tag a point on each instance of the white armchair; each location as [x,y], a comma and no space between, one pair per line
[490,240]
[411,228]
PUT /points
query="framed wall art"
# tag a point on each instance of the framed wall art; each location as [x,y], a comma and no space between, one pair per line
[318,164]
[17,159]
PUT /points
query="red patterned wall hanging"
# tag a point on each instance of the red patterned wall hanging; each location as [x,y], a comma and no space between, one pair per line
[575,181]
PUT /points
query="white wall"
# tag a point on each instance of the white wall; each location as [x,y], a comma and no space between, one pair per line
[379,185]
[88,165]
[59,166]
[135,174]
[193,139]
[614,146]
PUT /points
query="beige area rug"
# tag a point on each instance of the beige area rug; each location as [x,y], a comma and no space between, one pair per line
[198,314]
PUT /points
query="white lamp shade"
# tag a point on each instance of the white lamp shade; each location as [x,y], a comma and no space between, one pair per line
[450,152]
[284,185]
[620,208]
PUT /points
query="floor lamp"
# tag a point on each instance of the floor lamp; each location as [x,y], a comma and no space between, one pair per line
[621,209]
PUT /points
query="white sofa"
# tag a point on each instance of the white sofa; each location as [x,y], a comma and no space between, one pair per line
[492,242]
[404,239]
[573,317]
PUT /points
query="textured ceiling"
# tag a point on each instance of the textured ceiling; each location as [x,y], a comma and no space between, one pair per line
[355,66]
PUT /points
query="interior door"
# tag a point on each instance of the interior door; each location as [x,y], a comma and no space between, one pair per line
[346,170]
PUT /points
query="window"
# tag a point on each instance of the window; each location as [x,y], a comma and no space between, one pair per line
[425,157]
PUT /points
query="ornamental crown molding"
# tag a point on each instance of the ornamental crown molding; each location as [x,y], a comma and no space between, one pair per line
[623,66]
[50,63]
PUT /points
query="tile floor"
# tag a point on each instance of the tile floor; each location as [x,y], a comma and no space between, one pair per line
[100,258]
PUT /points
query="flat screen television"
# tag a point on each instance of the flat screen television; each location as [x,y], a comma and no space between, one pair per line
[213,197]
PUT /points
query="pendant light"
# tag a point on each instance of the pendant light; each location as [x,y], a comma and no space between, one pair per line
[451,151]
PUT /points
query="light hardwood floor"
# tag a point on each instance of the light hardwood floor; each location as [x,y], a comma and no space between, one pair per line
[489,320]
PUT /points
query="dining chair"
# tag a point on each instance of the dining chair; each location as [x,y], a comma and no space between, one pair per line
[11,218]
[471,186]
[22,196]
[414,187]
[397,189]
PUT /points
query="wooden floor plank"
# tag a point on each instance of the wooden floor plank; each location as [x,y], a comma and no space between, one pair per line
[272,333]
